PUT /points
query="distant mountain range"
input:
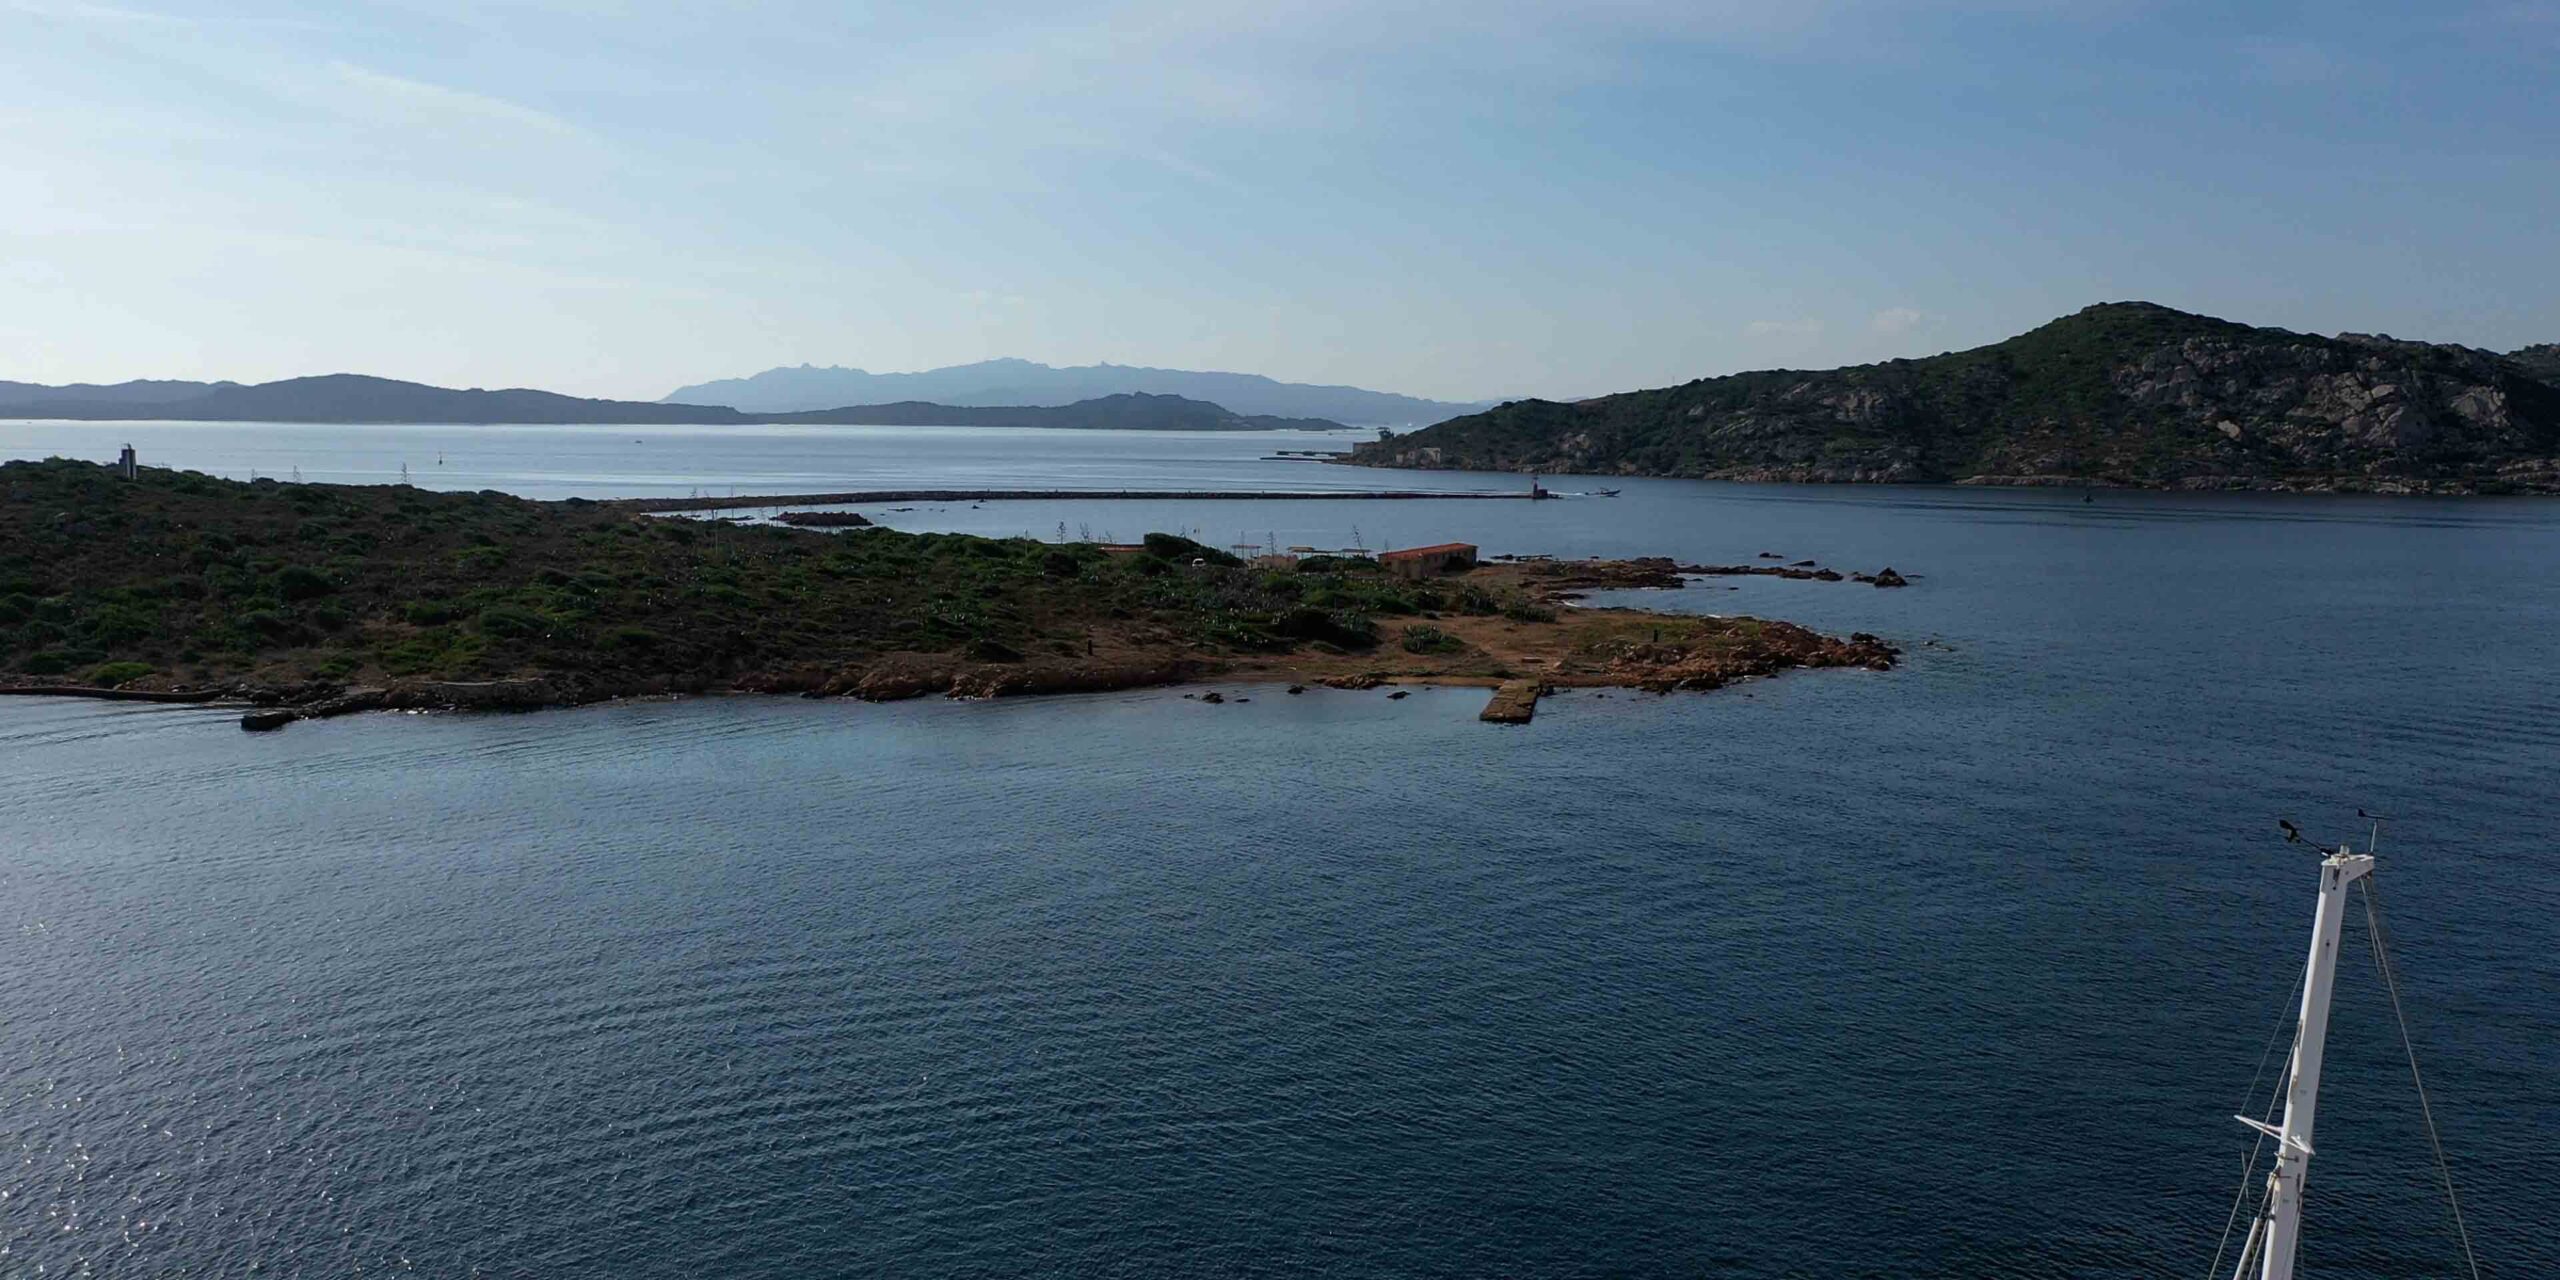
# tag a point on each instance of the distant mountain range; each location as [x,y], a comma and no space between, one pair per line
[1023,382]
[354,398]
[1131,410]
[2124,393]
[335,397]
[139,391]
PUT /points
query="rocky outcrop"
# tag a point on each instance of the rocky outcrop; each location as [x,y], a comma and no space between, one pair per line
[1670,660]
[472,695]
[1516,702]
[2123,394]
[2540,361]
[899,676]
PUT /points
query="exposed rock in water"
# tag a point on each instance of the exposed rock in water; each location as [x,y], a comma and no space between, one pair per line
[1513,703]
[268,719]
[1796,571]
[1645,572]
[824,519]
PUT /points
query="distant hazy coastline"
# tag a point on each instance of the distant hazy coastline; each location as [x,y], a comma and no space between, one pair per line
[356,399]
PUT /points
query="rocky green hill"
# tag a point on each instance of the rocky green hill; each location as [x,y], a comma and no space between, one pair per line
[2542,360]
[2121,394]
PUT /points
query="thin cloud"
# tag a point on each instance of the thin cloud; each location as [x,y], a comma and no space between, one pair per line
[1897,320]
[417,97]
[78,12]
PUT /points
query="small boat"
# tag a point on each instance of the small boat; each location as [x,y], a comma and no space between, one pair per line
[1604,493]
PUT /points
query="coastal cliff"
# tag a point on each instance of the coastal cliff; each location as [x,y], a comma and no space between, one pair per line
[2127,394]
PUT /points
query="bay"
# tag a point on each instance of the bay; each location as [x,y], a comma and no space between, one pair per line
[1953,971]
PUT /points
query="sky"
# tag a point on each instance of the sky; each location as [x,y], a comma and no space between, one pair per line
[1474,200]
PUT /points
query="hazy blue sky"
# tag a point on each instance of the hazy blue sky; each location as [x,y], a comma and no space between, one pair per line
[1466,199]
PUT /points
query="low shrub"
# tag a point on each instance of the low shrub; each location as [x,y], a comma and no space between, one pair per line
[53,662]
[1181,550]
[114,675]
[1427,639]
[512,622]
[300,582]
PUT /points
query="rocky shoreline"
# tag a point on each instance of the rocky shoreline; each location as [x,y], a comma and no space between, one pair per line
[304,601]
[2539,478]
[1521,659]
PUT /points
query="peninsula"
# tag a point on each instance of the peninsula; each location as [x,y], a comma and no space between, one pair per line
[2125,394]
[313,598]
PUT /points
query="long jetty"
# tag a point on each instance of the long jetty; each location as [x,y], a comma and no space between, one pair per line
[743,501]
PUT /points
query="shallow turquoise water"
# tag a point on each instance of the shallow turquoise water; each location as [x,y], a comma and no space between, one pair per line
[1954,971]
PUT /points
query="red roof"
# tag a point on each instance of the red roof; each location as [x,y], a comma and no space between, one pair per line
[1416,553]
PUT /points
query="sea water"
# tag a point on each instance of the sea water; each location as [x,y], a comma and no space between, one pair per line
[1954,971]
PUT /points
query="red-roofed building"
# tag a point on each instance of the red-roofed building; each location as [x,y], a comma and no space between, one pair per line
[1425,562]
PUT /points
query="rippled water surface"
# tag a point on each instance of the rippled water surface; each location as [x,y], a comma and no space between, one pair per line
[1955,971]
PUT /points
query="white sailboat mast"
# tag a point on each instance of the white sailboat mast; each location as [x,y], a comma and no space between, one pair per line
[2279,1225]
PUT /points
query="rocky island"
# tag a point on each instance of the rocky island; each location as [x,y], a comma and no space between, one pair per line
[313,599]
[2123,394]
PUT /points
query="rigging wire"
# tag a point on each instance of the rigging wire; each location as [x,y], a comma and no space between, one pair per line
[2391,983]
[2249,1167]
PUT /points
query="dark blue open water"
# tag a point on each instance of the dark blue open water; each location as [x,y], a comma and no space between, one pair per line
[1956,971]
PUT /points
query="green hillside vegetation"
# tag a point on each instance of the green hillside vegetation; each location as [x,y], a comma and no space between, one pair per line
[2125,393]
[2541,360]
[183,579]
